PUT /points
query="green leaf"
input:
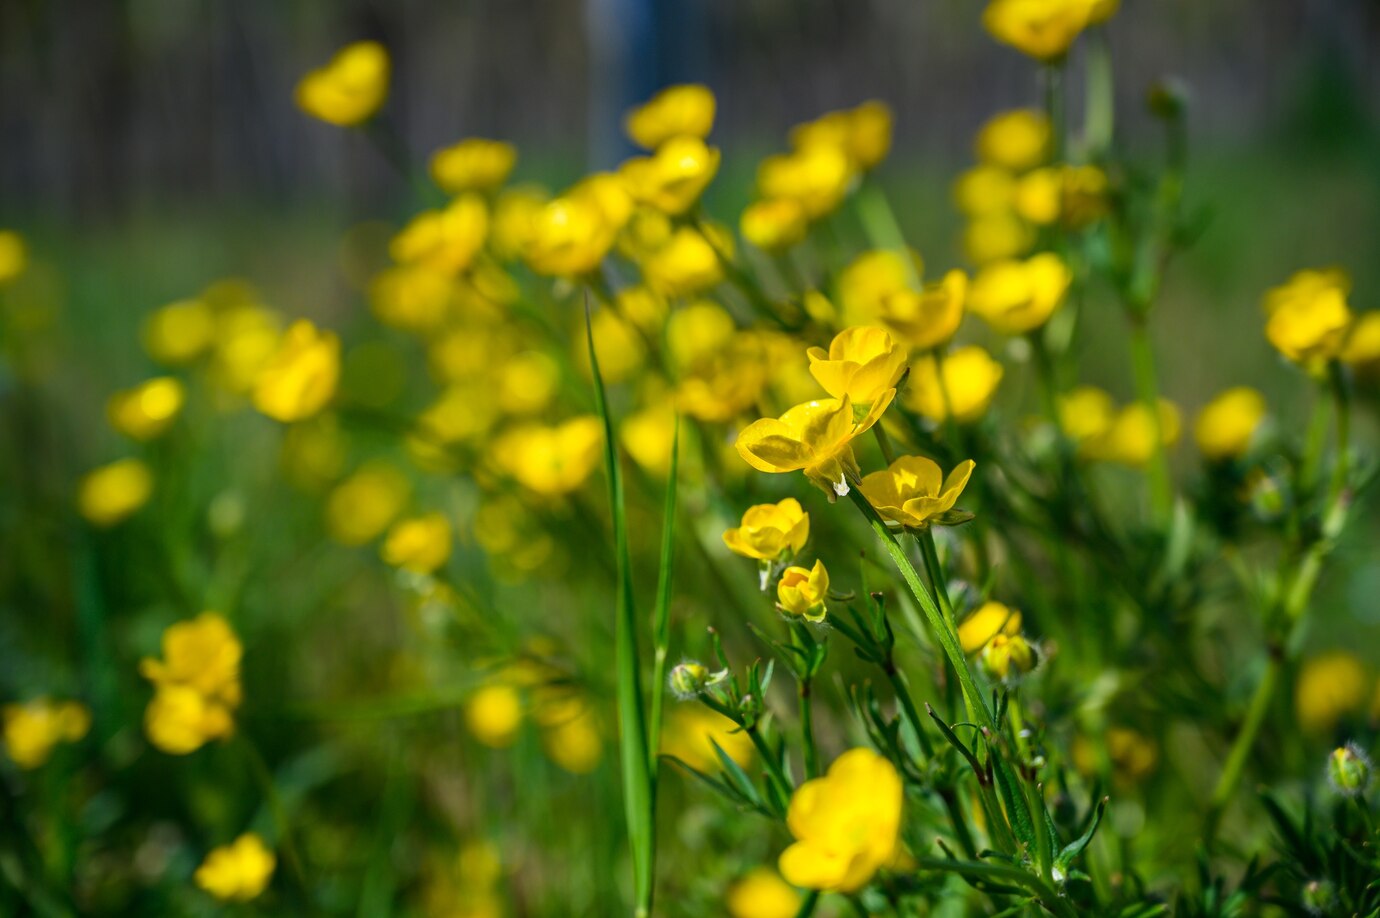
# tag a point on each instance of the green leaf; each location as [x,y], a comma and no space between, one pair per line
[1075,847]
[661,615]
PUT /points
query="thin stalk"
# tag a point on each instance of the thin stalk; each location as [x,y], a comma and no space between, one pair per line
[1245,740]
[1100,108]
[264,775]
[807,729]
[661,619]
[1148,391]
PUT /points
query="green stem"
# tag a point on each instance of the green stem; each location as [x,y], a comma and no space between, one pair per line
[1053,77]
[1147,390]
[1245,740]
[264,775]
[807,729]
[1100,107]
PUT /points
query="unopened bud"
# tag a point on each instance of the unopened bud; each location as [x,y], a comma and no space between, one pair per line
[688,679]
[1319,897]
[1349,770]
[1007,658]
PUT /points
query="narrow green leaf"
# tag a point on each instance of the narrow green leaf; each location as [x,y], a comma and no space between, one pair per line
[661,616]
[1075,847]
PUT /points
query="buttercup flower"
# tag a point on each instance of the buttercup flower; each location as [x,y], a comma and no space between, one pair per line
[1330,686]
[862,133]
[239,871]
[445,241]
[677,111]
[996,237]
[689,263]
[863,364]
[770,531]
[1008,657]
[146,410]
[673,178]
[846,824]
[815,177]
[179,332]
[697,332]
[14,256]
[775,224]
[1016,297]
[570,235]
[690,728]
[348,90]
[913,490]
[1130,439]
[1349,770]
[984,190]
[197,684]
[33,729]
[493,714]
[551,461]
[986,622]
[301,376]
[1362,349]
[1308,316]
[473,164]
[960,383]
[112,493]
[815,437]
[1042,29]
[1225,426]
[801,592]
[420,545]
[1086,414]
[1015,140]
[362,506]
[761,893]
[927,319]
[570,733]
[868,280]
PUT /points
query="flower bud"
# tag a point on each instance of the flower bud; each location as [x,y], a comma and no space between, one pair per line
[688,679]
[1349,770]
[1319,897]
[1007,658]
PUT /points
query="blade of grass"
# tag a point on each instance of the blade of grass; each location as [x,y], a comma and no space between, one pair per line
[661,618]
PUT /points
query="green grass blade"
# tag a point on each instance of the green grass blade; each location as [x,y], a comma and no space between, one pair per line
[661,618]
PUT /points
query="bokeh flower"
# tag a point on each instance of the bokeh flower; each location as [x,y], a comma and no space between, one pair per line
[1042,29]
[148,409]
[197,684]
[112,493]
[550,460]
[301,376]
[420,544]
[986,622]
[349,89]
[673,178]
[1226,425]
[961,383]
[32,730]
[685,110]
[239,871]
[473,164]
[1308,317]
[761,893]
[1016,297]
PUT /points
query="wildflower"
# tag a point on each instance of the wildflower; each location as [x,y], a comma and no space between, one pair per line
[770,532]
[1086,413]
[571,234]
[1008,657]
[677,111]
[411,297]
[348,90]
[1308,317]
[1131,439]
[673,178]
[929,318]
[801,592]
[360,507]
[246,338]
[420,544]
[1016,297]
[1015,140]
[647,435]
[846,824]
[692,731]
[473,164]
[913,491]
[239,871]
[493,714]
[1225,426]
[179,332]
[445,241]
[112,493]
[643,307]
[514,212]
[761,893]
[996,237]
[1362,349]
[961,384]
[14,256]
[984,190]
[698,331]
[618,344]
[197,684]
[774,224]
[33,729]
[863,134]
[551,461]
[863,364]
[527,382]
[1042,29]
[1348,769]
[986,622]
[815,437]
[301,376]
[817,178]
[146,410]
[1329,687]
[869,279]
[690,262]
[1132,755]
[570,734]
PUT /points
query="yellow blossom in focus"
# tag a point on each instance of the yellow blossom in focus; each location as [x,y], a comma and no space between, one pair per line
[677,111]
[929,318]
[863,364]
[570,235]
[814,437]
[146,410]
[801,592]
[1042,29]
[301,376]
[961,383]
[870,278]
[1131,440]
[179,332]
[690,262]
[1016,297]
[769,532]
[846,824]
[1225,426]
[239,871]
[1362,349]
[984,190]
[774,224]
[112,493]
[473,164]
[913,490]
[33,729]
[996,237]
[1086,414]
[1014,140]
[493,714]
[411,297]
[816,177]
[1330,686]
[14,256]
[761,893]
[862,133]
[673,178]
[445,241]
[197,684]
[698,331]
[1308,316]
[690,728]
[551,461]
[986,622]
[348,90]
[420,544]
[361,507]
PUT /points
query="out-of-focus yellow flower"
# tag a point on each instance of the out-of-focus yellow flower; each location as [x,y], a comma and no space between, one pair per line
[1038,195]
[816,177]
[985,189]
[1362,348]
[411,297]
[473,164]
[962,383]
[515,212]
[493,714]
[1131,438]
[1073,195]
[246,338]
[239,871]
[1225,426]
[361,507]
[646,231]
[179,332]
[774,224]
[146,410]
[1016,297]
[1133,755]
[1008,657]
[913,489]
[570,733]
[673,178]
[571,234]
[690,728]
[801,592]
[647,435]
[863,364]
[761,893]
[846,824]
[313,453]
[869,279]
[686,110]
[1042,29]
[986,622]
[1014,140]
[698,331]
[862,133]
[197,684]
[33,729]
[690,262]
[617,343]
[770,532]
[462,413]
[507,531]
[301,376]
[1102,10]
[420,544]
[551,461]
[1086,414]
[468,887]
[721,388]
[1330,686]
[1308,316]
[112,493]
[348,90]
[14,256]
[996,237]
[527,382]
[814,437]
[445,241]
[643,307]
[929,318]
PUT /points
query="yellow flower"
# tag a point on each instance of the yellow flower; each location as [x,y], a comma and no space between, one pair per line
[1308,316]
[1362,349]
[473,164]
[1014,140]
[420,544]
[1038,194]
[929,318]
[816,177]
[775,224]
[862,133]
[179,332]
[246,337]
[677,111]
[145,411]
[1130,440]
[690,728]
[1330,686]
[551,461]
[985,190]
[996,237]
[197,684]
[1042,29]
[962,383]
[1082,195]
[239,871]
[673,178]
[814,437]
[913,489]
[647,436]
[112,493]
[619,345]
[1008,657]
[863,364]
[301,376]
[361,507]
[697,332]
[801,592]
[761,893]
[348,90]
[1225,426]
[1086,414]
[14,256]
[986,622]
[411,297]
[493,714]
[1016,297]
[527,382]
[445,241]
[642,307]
[689,263]
[570,235]
[846,824]
[770,531]
[34,728]
[570,733]
[515,212]
[1132,755]
[869,279]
